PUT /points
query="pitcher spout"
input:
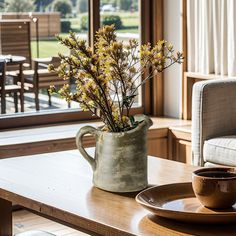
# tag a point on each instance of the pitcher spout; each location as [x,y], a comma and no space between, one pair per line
[147,122]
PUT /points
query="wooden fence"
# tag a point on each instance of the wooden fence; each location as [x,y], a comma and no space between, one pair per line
[48,23]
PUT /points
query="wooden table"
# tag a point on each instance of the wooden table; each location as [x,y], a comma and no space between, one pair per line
[59,186]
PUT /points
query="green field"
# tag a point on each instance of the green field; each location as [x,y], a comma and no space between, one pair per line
[51,47]
[48,48]
[129,20]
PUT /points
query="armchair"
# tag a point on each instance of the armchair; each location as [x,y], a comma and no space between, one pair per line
[41,78]
[15,39]
[214,122]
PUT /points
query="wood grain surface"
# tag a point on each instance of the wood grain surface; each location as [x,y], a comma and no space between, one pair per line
[36,140]
[59,186]
[5,217]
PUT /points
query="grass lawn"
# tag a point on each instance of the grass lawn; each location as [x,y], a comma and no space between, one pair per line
[129,20]
[48,48]
[51,47]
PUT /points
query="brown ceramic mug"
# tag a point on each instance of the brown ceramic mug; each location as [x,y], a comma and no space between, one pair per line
[215,187]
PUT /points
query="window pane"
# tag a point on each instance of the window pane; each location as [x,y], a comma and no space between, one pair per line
[47,19]
[124,14]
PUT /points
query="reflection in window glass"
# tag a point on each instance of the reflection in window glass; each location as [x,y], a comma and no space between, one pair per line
[73,16]
[47,19]
[124,14]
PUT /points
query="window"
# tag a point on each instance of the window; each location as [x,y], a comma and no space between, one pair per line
[83,17]
[125,16]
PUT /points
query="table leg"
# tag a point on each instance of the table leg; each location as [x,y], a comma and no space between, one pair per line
[5,217]
[3,103]
[16,101]
[22,80]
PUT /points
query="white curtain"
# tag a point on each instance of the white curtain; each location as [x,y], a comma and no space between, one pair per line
[211,36]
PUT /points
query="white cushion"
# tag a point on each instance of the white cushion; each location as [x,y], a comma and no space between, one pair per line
[221,150]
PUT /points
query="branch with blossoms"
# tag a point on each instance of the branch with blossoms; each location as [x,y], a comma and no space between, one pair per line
[107,76]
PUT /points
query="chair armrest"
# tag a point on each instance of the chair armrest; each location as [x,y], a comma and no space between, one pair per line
[42,60]
[26,66]
[213,113]
[39,63]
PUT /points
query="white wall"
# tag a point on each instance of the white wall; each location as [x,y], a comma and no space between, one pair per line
[172,76]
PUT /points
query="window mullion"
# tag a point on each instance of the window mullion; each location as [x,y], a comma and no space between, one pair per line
[94,20]
[145,33]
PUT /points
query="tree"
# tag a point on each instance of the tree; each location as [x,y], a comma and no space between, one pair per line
[125,5]
[73,2]
[2,5]
[19,6]
[112,2]
[42,4]
[135,5]
[63,6]
[82,6]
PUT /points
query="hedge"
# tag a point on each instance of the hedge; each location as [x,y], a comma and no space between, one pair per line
[106,20]
[65,26]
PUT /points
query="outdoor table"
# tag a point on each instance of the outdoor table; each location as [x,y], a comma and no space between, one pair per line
[59,186]
[13,60]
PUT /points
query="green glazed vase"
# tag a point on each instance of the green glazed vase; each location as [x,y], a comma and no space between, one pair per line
[120,161]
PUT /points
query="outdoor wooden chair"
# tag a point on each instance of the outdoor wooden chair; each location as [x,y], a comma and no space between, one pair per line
[41,78]
[7,89]
[16,40]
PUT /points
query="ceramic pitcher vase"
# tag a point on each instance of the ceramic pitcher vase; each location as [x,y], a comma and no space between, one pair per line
[120,161]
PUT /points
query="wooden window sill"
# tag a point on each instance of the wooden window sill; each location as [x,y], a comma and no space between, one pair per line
[37,140]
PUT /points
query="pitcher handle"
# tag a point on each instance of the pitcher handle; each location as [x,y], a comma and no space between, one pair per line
[85,130]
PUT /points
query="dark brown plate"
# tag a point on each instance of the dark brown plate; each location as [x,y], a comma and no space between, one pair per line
[178,202]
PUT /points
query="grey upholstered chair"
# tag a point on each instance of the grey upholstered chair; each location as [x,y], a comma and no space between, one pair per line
[214,122]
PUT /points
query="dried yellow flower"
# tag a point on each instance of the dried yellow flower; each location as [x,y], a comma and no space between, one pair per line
[106,76]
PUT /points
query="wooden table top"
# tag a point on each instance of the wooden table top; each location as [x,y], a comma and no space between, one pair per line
[11,59]
[59,186]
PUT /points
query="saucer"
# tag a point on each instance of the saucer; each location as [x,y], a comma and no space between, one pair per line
[178,202]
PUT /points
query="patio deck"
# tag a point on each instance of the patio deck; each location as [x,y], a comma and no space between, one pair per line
[29,103]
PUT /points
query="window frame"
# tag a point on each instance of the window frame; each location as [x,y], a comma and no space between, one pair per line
[148,33]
